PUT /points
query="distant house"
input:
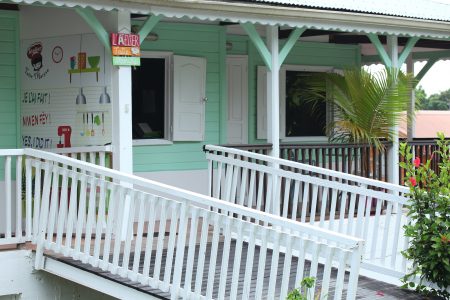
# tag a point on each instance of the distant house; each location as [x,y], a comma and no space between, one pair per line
[428,123]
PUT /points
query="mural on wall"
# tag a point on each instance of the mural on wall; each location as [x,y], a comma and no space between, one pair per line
[65,92]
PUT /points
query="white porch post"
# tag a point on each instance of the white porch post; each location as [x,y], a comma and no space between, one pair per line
[273,92]
[273,109]
[393,173]
[122,139]
[411,128]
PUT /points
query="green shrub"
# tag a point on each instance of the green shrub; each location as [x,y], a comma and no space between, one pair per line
[429,212]
[302,293]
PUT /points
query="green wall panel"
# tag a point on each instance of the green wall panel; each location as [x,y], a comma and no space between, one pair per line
[9,81]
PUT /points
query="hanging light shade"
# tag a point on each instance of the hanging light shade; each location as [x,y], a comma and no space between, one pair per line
[104,97]
[81,98]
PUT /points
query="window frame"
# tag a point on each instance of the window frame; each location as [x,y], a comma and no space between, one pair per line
[304,68]
[168,101]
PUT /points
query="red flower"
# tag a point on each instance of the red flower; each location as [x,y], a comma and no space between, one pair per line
[417,162]
[413,181]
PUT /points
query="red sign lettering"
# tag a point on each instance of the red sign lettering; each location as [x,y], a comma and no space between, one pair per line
[125,40]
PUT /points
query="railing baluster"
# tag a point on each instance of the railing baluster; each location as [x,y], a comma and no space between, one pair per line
[179,257]
[295,200]
[312,214]
[160,245]
[63,207]
[139,234]
[225,259]
[213,256]
[29,199]
[71,218]
[237,261]
[286,267]
[387,222]
[118,226]
[90,219]
[249,263]
[274,265]
[175,208]
[18,201]
[100,223]
[262,232]
[81,216]
[52,217]
[305,200]
[37,198]
[191,251]
[396,233]
[112,203]
[202,253]
[150,236]
[8,183]
[129,234]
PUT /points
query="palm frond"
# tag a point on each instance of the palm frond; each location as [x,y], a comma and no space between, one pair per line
[366,106]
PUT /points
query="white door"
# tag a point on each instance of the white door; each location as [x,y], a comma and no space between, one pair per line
[189,97]
[237,78]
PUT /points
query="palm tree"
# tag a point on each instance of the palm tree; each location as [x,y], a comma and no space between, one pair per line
[366,106]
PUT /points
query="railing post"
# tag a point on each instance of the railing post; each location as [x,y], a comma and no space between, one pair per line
[355,264]
[43,216]
[8,196]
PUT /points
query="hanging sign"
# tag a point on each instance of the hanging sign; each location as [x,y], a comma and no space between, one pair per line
[125,49]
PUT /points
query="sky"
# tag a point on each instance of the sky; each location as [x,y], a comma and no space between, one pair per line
[438,77]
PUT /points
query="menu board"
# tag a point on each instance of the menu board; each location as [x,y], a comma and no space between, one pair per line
[65,92]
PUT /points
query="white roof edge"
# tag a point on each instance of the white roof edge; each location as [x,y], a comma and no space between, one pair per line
[267,15]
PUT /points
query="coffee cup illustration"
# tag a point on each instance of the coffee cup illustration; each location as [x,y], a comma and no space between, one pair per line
[34,54]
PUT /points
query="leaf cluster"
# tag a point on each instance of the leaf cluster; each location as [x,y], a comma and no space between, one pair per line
[366,106]
[302,293]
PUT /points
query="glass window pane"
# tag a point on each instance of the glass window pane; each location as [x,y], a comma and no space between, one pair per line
[303,118]
[148,90]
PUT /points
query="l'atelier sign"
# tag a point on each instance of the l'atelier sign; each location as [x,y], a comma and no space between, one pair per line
[126,49]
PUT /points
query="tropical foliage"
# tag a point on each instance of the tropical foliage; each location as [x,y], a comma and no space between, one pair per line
[366,106]
[429,228]
[439,101]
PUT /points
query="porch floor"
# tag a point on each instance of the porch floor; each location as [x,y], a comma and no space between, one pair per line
[367,288]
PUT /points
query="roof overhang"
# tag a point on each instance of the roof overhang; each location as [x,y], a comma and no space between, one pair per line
[268,15]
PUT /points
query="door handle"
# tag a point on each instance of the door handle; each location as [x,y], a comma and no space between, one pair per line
[205,99]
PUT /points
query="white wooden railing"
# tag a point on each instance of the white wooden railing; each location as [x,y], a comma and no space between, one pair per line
[357,206]
[76,209]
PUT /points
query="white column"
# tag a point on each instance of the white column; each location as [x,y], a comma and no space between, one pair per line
[273,109]
[393,173]
[273,92]
[122,139]
[411,128]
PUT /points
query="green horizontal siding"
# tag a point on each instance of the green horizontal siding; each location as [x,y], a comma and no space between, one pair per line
[9,81]
[189,40]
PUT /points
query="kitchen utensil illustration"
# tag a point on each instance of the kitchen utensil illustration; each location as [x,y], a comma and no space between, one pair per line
[103,123]
[92,119]
[94,61]
[88,132]
[84,127]
[81,60]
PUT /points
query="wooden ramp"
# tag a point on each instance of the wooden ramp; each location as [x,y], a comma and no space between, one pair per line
[367,288]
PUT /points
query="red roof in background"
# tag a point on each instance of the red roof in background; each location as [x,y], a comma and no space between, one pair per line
[428,123]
